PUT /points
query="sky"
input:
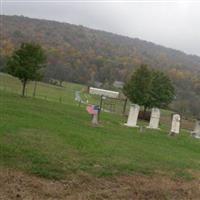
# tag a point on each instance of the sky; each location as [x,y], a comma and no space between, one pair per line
[171,23]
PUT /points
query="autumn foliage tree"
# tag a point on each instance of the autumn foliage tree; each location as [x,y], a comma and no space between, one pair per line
[149,88]
[26,62]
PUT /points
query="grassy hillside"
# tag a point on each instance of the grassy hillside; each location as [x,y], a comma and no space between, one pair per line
[54,140]
[44,91]
[66,95]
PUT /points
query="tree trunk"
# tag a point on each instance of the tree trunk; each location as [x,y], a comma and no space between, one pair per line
[23,87]
[124,107]
[34,91]
[144,112]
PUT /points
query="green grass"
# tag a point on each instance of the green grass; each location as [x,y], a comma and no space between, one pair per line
[63,94]
[54,93]
[55,140]
[45,91]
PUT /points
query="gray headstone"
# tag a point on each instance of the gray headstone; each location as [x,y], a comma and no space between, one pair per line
[196,132]
[95,119]
[77,96]
[175,126]
[133,115]
[155,118]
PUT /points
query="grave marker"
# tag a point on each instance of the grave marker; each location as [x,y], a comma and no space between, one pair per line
[196,132]
[94,111]
[155,118]
[175,127]
[133,115]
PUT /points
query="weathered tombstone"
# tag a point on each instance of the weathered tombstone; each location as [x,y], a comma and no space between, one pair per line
[94,111]
[175,127]
[196,132]
[95,119]
[133,115]
[155,118]
[78,97]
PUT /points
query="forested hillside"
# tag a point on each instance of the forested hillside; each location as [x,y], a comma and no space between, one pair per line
[83,55]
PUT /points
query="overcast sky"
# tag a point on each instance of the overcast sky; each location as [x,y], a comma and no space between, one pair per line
[172,23]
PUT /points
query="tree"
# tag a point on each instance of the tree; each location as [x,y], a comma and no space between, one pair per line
[26,63]
[149,88]
[138,88]
[162,90]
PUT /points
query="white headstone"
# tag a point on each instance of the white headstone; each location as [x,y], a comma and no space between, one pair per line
[133,115]
[155,118]
[95,119]
[196,132]
[176,122]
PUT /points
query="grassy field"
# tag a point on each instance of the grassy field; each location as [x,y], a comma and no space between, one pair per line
[66,95]
[43,91]
[54,140]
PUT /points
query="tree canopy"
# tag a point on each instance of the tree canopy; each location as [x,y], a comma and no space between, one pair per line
[149,88]
[26,62]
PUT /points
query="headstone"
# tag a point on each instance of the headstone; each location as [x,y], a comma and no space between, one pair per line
[94,111]
[155,118]
[196,132]
[133,115]
[79,99]
[77,96]
[175,127]
[95,119]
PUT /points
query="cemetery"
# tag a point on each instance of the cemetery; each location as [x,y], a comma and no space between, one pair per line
[42,136]
[134,113]
[100,100]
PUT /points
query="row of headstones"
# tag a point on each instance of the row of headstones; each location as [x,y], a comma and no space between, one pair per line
[155,119]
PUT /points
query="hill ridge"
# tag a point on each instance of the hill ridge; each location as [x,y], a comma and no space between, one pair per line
[107,32]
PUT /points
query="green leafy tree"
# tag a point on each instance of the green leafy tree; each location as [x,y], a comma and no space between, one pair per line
[162,90]
[138,88]
[149,88]
[26,63]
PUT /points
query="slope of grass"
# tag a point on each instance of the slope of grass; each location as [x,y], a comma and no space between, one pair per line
[54,140]
[45,91]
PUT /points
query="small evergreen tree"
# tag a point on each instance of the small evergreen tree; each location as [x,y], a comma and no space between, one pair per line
[26,62]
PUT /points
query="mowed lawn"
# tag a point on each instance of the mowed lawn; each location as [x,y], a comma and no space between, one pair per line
[45,91]
[55,140]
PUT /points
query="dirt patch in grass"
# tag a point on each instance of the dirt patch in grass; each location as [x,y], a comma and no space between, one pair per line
[18,185]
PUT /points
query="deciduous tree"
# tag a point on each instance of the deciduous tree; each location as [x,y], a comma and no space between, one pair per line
[26,62]
[149,88]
